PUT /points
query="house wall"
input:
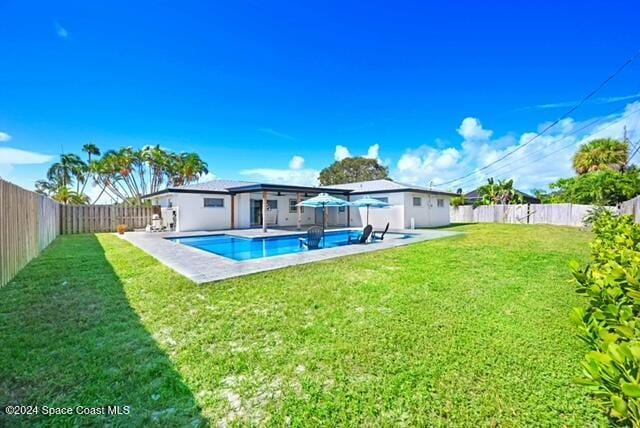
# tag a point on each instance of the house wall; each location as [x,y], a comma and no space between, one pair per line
[428,214]
[379,217]
[165,201]
[242,214]
[284,216]
[193,215]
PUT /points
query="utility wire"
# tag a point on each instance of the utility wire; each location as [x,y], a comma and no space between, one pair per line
[554,123]
[573,143]
[634,152]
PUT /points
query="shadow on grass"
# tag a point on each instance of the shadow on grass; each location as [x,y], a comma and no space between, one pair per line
[68,338]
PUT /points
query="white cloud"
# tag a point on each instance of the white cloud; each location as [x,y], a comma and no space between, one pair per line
[534,165]
[471,129]
[61,31]
[207,177]
[601,100]
[373,152]
[296,162]
[341,153]
[4,137]
[9,157]
[295,174]
[13,156]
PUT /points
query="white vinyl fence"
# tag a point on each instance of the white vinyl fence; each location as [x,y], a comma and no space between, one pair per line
[632,208]
[557,214]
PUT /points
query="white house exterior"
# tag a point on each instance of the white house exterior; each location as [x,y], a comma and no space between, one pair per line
[227,204]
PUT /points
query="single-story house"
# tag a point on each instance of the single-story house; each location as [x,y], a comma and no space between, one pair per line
[228,204]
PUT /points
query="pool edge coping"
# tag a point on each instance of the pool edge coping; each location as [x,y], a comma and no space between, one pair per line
[203,267]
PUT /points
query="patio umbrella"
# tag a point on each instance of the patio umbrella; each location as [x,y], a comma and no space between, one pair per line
[321,201]
[369,202]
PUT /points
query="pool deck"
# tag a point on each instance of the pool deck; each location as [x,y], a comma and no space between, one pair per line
[203,267]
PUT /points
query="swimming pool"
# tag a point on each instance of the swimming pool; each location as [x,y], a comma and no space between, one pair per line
[239,248]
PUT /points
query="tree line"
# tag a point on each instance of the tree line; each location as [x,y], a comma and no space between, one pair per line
[123,175]
[604,176]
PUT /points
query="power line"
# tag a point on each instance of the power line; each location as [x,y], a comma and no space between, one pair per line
[563,138]
[573,143]
[634,147]
[554,123]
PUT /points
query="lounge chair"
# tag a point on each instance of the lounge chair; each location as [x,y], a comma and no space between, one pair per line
[380,236]
[312,241]
[364,236]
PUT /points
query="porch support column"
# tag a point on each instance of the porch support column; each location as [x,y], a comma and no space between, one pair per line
[264,211]
[233,211]
[348,211]
[299,211]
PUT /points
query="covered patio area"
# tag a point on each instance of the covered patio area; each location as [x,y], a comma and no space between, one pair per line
[276,207]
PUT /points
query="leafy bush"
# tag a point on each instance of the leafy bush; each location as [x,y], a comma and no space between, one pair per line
[457,201]
[600,188]
[609,324]
[593,214]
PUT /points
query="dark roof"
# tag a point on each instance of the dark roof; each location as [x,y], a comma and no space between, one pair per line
[386,186]
[229,187]
[283,188]
[475,195]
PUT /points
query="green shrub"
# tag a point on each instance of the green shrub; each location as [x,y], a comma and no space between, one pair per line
[457,201]
[595,213]
[609,324]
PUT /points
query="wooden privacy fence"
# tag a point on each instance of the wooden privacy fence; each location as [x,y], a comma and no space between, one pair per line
[557,214]
[102,218]
[28,223]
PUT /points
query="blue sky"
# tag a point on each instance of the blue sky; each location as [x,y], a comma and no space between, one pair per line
[440,89]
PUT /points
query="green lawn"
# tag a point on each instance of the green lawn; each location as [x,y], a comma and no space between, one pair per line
[471,330]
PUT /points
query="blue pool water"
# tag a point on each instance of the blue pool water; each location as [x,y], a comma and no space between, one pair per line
[239,248]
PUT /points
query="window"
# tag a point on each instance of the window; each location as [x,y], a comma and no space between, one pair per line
[214,203]
[341,209]
[293,208]
[440,203]
[417,201]
[383,199]
[272,204]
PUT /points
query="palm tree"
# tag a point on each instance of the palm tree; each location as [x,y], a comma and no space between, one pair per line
[69,167]
[125,175]
[602,154]
[65,195]
[157,161]
[47,187]
[500,192]
[186,168]
[91,150]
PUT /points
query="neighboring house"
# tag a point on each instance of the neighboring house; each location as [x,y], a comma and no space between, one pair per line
[474,196]
[228,204]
